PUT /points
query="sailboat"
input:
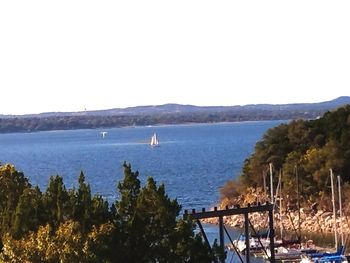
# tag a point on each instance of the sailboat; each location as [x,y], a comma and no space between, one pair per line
[337,256]
[103,133]
[154,140]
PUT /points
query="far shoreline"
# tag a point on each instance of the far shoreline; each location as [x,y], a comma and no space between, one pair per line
[146,126]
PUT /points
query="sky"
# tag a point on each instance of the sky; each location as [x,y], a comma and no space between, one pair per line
[75,55]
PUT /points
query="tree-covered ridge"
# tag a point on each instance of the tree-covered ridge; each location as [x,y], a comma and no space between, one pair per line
[32,124]
[72,225]
[164,114]
[309,148]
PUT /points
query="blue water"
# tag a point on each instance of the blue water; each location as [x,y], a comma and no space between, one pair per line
[193,161]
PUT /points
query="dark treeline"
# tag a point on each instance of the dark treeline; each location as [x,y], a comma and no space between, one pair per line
[307,148]
[32,124]
[165,114]
[72,225]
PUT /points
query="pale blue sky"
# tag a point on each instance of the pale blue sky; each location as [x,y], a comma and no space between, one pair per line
[69,55]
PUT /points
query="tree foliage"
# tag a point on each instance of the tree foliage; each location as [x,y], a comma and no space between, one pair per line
[61,225]
[309,148]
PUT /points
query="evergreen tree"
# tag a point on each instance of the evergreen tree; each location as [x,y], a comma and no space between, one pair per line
[29,211]
[100,213]
[129,190]
[150,230]
[100,244]
[71,226]
[83,208]
[155,222]
[56,201]
[12,186]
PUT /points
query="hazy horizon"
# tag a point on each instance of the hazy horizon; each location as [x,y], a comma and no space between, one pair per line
[169,104]
[69,56]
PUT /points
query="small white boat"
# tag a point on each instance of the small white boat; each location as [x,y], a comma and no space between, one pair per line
[284,254]
[154,140]
[104,134]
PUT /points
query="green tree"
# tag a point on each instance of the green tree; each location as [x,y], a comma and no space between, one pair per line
[150,231]
[100,244]
[56,201]
[129,190]
[100,212]
[312,146]
[155,221]
[29,212]
[12,186]
[83,206]
[63,225]
[64,245]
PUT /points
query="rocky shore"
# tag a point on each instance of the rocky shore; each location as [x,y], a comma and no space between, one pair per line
[316,222]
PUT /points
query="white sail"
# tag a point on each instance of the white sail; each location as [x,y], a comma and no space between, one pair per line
[154,140]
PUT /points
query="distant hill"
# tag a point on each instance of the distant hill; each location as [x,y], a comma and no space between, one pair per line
[300,108]
[166,114]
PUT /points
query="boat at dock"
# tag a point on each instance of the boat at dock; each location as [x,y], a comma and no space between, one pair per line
[336,257]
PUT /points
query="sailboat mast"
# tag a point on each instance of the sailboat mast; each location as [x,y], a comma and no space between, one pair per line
[271,183]
[264,178]
[298,201]
[334,212]
[280,195]
[341,211]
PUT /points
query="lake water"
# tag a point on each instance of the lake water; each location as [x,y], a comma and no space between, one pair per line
[193,161]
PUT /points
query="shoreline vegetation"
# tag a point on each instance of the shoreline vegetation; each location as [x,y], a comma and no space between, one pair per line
[297,161]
